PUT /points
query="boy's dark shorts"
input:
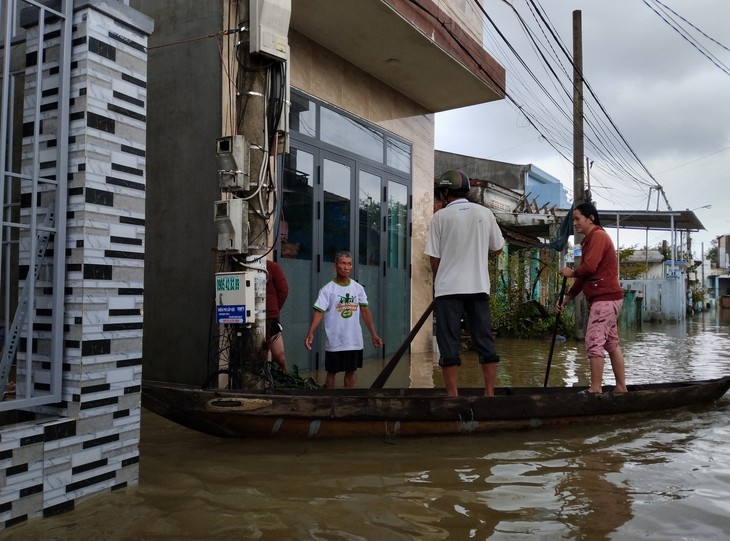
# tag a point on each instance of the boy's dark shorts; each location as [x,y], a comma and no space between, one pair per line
[343,361]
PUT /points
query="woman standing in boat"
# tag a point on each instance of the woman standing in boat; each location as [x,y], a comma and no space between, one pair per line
[597,278]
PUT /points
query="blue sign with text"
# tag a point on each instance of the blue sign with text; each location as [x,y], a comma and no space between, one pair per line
[230,314]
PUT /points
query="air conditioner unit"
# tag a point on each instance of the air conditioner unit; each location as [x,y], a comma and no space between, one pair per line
[234,163]
[231,222]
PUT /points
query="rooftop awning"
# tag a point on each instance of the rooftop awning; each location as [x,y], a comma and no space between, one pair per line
[414,47]
[662,220]
[543,225]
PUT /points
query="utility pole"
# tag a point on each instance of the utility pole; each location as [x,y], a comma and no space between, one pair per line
[578,156]
[250,114]
[646,241]
[255,128]
[704,288]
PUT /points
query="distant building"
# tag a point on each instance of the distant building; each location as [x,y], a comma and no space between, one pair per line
[651,260]
[719,280]
[723,254]
[545,189]
[541,190]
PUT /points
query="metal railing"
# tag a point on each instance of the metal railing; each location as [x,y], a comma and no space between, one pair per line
[35,64]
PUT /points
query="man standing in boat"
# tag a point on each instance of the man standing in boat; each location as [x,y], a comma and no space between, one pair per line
[597,278]
[340,303]
[461,237]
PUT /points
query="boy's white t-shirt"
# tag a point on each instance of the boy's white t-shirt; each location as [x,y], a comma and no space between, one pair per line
[341,307]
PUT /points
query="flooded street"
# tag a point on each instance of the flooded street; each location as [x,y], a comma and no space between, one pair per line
[663,477]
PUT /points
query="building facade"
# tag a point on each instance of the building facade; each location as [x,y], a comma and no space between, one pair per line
[129,142]
[355,169]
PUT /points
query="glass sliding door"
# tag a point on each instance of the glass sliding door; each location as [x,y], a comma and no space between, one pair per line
[332,233]
[346,186]
[297,250]
[369,261]
[320,217]
[337,181]
[397,267]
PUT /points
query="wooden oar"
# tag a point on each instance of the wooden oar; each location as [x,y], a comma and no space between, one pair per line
[555,331]
[388,369]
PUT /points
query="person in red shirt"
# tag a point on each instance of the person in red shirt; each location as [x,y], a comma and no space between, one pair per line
[277,290]
[597,278]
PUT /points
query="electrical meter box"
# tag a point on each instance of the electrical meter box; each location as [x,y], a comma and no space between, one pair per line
[235,297]
[269,22]
[231,222]
[234,163]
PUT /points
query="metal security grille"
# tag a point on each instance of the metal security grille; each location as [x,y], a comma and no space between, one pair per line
[35,56]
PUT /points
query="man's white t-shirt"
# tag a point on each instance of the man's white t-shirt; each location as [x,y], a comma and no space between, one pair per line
[461,235]
[341,307]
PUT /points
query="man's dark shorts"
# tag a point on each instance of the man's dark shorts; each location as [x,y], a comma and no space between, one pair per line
[450,310]
[273,327]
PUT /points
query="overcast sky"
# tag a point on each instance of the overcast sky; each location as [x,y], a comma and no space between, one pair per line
[669,101]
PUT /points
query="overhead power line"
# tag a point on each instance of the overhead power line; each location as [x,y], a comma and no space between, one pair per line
[544,99]
[608,147]
[666,14]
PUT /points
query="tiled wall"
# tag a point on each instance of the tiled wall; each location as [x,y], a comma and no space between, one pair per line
[89,443]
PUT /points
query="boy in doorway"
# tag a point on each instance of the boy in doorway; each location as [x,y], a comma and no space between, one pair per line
[338,303]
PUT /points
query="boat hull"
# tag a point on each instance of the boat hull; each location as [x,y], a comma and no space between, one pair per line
[338,413]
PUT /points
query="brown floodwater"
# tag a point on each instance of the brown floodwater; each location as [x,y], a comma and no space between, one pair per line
[659,478]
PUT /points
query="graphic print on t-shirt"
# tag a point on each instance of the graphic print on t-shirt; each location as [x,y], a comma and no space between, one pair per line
[347,306]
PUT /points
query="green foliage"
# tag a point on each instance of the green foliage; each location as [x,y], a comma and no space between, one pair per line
[698,293]
[515,311]
[712,255]
[625,253]
[528,320]
[630,270]
[277,379]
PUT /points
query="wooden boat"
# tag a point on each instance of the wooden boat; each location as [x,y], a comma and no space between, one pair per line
[409,412]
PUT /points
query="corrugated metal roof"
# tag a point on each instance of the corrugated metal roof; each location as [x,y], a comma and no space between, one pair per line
[662,220]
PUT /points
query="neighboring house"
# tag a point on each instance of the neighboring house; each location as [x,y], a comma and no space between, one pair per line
[659,288]
[719,280]
[723,254]
[502,187]
[544,190]
[540,189]
[650,262]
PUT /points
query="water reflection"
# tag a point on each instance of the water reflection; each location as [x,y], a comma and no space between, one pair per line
[667,477]
[696,349]
[605,504]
